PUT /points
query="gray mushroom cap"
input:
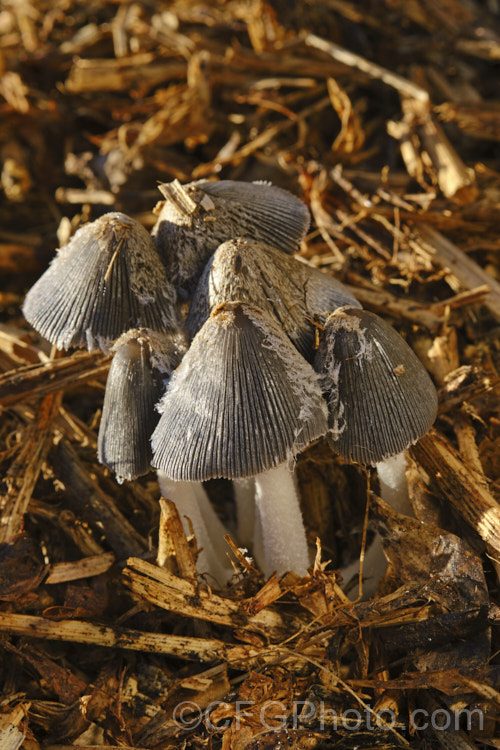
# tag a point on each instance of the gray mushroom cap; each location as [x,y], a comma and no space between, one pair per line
[196,218]
[142,363]
[281,286]
[380,398]
[107,279]
[242,401]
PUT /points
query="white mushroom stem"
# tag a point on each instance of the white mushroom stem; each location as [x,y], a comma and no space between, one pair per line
[192,503]
[374,567]
[244,496]
[393,489]
[257,546]
[393,485]
[278,519]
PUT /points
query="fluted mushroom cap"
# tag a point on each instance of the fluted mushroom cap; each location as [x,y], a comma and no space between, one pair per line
[380,398]
[142,364]
[196,218]
[291,292]
[107,279]
[242,401]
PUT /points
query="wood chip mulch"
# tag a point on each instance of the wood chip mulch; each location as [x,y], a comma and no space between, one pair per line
[384,117]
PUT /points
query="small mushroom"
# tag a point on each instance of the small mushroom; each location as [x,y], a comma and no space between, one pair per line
[196,218]
[241,404]
[108,279]
[281,286]
[142,363]
[380,398]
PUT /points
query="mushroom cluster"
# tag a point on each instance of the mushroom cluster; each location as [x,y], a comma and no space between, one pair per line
[216,368]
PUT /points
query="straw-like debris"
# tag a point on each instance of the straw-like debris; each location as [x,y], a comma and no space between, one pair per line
[383,119]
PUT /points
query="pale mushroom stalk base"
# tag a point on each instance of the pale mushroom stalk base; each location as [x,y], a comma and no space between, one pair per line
[394,491]
[257,547]
[278,521]
[192,502]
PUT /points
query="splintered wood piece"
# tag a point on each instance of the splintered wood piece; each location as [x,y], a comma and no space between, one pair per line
[408,145]
[467,446]
[172,542]
[443,354]
[78,631]
[461,485]
[269,593]
[427,152]
[455,180]
[85,568]
[165,557]
[170,592]
[12,726]
[174,594]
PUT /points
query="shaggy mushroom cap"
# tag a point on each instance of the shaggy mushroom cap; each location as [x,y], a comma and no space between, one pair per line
[142,363]
[242,401]
[381,400]
[196,218]
[281,286]
[107,279]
